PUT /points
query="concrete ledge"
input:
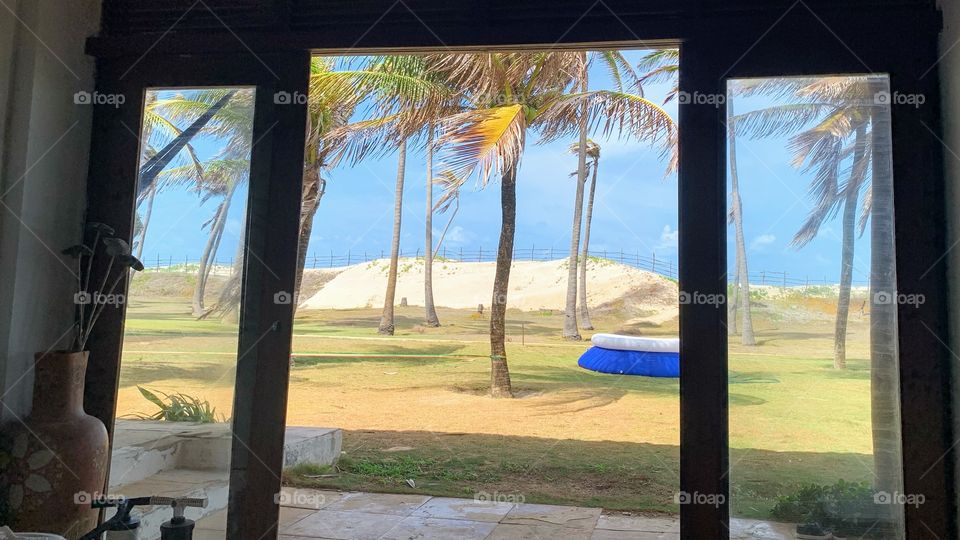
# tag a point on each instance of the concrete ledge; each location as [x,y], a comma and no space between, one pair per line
[180,459]
[319,446]
[145,448]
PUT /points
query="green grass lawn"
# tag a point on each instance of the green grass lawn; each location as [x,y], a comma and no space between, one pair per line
[412,406]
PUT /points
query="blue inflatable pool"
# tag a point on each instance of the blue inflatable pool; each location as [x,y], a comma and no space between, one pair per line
[628,355]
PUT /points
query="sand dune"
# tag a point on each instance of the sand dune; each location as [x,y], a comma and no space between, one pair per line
[534,285]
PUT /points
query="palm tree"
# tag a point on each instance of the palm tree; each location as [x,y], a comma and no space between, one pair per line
[156,164]
[620,70]
[593,152]
[450,198]
[742,285]
[335,95]
[508,94]
[405,101]
[157,131]
[834,114]
[386,319]
[223,179]
[430,309]
[848,123]
[232,122]
[570,330]
[664,65]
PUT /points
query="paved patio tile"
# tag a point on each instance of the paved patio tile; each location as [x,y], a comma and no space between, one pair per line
[208,534]
[214,522]
[566,516]
[420,528]
[615,522]
[342,525]
[761,530]
[379,503]
[469,509]
[218,521]
[542,531]
[606,534]
[314,499]
[289,516]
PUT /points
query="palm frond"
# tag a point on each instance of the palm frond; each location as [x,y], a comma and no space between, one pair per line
[450,186]
[482,141]
[612,113]
[780,120]
[821,154]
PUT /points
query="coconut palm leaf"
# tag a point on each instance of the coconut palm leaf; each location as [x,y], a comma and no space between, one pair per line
[450,185]
[620,70]
[661,65]
[359,140]
[483,141]
[612,113]
[781,120]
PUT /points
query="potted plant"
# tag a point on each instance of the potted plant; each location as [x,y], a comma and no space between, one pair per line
[55,460]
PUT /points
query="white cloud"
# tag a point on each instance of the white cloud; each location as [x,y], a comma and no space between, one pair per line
[458,235]
[762,241]
[669,238]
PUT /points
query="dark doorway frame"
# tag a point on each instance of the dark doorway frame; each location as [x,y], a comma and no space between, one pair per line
[273,218]
[739,40]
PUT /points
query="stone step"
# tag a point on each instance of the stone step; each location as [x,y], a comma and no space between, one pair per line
[176,459]
[214,485]
[143,449]
[320,446]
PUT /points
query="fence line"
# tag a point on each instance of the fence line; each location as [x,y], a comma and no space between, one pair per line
[657,264]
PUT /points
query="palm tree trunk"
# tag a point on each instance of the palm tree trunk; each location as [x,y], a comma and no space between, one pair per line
[156,164]
[228,303]
[582,289]
[149,100]
[431,318]
[746,336]
[570,330]
[847,249]
[314,186]
[884,371]
[210,250]
[499,372]
[386,320]
[146,220]
[733,303]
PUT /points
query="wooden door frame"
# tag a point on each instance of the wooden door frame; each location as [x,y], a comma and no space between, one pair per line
[273,214]
[897,40]
[919,216]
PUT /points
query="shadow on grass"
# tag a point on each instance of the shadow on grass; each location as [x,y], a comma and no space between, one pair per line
[392,354]
[146,372]
[859,370]
[613,475]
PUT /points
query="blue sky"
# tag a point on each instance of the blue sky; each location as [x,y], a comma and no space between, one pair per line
[636,208]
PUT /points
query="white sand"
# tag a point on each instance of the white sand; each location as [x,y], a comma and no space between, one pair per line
[534,285]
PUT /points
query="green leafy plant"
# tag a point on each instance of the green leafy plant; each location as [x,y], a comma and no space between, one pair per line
[179,407]
[850,505]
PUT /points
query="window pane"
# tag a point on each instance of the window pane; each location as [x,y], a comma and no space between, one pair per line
[813,380]
[408,376]
[178,368]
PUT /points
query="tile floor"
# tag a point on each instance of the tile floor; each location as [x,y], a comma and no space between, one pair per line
[314,514]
